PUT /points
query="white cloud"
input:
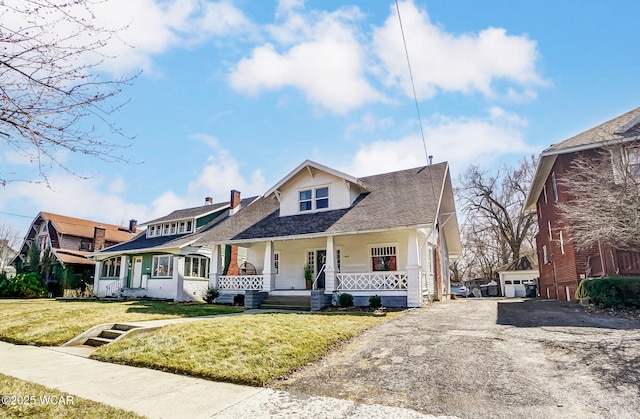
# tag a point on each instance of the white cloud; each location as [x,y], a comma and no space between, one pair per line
[368,124]
[443,61]
[153,27]
[107,199]
[93,199]
[460,141]
[325,62]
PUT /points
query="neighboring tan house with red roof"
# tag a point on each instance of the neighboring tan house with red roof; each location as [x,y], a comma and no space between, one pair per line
[561,264]
[69,240]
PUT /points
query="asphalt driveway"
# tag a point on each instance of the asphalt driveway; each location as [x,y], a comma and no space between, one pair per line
[488,358]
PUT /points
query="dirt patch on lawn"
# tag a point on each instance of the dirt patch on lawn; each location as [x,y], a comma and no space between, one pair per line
[493,358]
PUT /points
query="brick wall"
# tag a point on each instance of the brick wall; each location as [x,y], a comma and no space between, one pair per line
[565,264]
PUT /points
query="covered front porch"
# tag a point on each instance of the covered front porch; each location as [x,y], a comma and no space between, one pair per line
[398,266]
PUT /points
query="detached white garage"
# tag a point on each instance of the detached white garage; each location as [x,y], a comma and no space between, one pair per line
[515,276]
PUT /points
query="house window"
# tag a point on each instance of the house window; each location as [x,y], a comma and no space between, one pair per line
[545,255]
[86,245]
[305,200]
[544,192]
[111,268]
[338,260]
[314,199]
[322,198]
[189,223]
[152,231]
[311,259]
[276,262]
[554,186]
[196,266]
[173,228]
[166,229]
[633,160]
[182,227]
[162,266]
[383,258]
[550,232]
[561,243]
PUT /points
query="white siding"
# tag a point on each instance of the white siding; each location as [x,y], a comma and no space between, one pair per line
[339,193]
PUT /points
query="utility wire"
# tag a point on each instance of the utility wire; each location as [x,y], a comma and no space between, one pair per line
[413,86]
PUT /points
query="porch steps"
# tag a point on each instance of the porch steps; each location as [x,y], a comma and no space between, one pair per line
[109,335]
[287,302]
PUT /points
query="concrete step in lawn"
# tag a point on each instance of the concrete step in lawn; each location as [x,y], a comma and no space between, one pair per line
[104,334]
[280,302]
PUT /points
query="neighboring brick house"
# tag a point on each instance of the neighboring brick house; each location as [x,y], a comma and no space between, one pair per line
[68,241]
[561,264]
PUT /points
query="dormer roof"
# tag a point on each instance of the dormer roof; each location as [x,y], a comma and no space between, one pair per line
[311,167]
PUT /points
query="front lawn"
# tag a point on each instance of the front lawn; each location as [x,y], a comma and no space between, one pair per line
[48,322]
[252,349]
[25,399]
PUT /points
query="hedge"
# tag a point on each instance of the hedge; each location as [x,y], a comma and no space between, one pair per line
[612,291]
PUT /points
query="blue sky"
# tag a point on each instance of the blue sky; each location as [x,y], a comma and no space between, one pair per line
[235,94]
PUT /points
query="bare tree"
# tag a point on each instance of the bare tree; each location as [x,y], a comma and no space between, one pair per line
[495,231]
[52,98]
[9,242]
[603,199]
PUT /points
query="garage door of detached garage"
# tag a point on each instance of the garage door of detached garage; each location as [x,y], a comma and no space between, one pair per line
[514,283]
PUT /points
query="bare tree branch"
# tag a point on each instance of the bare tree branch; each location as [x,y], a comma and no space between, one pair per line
[494,230]
[51,94]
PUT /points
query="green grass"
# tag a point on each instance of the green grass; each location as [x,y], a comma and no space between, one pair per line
[252,349]
[49,322]
[59,405]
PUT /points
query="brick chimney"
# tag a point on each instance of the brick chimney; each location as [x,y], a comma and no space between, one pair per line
[234,202]
[234,206]
[132,225]
[99,238]
[208,201]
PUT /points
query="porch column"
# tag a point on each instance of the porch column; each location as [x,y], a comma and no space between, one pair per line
[414,286]
[215,267]
[269,283]
[330,267]
[178,277]
[96,278]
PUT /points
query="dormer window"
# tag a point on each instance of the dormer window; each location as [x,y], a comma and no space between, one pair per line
[314,199]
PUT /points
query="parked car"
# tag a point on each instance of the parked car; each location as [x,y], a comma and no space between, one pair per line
[459,290]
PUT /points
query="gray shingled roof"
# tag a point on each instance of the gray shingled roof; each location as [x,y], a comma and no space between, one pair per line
[396,200]
[141,242]
[194,212]
[625,127]
[622,129]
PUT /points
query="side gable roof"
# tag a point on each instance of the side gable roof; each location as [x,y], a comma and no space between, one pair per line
[311,166]
[85,228]
[142,243]
[405,199]
[194,212]
[619,130]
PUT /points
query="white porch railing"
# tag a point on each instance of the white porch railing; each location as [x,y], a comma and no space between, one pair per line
[113,288]
[241,282]
[395,280]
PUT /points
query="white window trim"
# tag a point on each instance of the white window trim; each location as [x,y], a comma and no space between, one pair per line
[200,259]
[314,200]
[545,255]
[380,245]
[561,243]
[276,262]
[169,267]
[554,186]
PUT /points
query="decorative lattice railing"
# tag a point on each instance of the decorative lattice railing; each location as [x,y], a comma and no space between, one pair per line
[241,282]
[395,280]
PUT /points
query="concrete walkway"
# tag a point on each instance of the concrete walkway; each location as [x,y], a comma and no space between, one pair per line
[157,394]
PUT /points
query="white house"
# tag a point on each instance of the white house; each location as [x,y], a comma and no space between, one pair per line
[390,235]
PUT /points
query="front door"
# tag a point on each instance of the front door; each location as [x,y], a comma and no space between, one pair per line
[321,259]
[136,275]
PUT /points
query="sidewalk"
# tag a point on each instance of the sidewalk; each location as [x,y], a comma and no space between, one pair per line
[157,394]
